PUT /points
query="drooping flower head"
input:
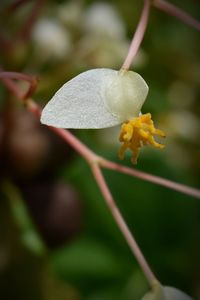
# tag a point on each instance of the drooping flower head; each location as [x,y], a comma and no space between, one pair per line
[102,98]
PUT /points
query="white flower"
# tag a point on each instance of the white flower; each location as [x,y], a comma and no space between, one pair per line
[51,39]
[97,98]
[102,98]
[102,19]
[70,13]
[103,50]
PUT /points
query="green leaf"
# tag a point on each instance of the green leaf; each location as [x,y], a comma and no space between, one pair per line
[28,232]
[87,258]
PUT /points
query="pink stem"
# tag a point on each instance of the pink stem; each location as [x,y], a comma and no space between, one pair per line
[16,75]
[91,157]
[151,178]
[64,134]
[176,12]
[95,163]
[122,225]
[84,151]
[32,80]
[12,86]
[138,36]
[26,29]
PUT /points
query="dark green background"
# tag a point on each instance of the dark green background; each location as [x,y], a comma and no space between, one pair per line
[85,257]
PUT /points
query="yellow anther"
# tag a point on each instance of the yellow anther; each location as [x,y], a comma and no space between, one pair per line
[136,133]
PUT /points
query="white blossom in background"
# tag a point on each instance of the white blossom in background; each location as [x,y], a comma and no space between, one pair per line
[102,51]
[102,19]
[70,13]
[102,98]
[51,40]
[104,41]
[107,52]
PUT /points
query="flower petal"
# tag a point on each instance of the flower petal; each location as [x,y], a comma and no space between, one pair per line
[165,293]
[79,103]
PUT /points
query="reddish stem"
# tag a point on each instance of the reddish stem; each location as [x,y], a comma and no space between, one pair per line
[31,19]
[151,178]
[138,36]
[95,163]
[176,12]
[32,80]
[122,225]
[91,157]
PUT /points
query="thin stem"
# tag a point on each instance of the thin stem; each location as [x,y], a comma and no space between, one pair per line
[96,162]
[90,156]
[32,80]
[16,75]
[27,27]
[122,225]
[84,151]
[151,178]
[176,12]
[138,36]
[12,87]
[64,134]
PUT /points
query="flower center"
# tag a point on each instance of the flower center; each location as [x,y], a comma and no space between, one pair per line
[137,133]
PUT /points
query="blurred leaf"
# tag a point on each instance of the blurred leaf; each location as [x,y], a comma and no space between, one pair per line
[135,287]
[29,235]
[87,258]
[54,289]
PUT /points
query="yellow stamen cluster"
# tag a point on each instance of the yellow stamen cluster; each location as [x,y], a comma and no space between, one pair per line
[136,133]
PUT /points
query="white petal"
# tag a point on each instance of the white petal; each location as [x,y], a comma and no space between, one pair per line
[79,103]
[165,293]
[125,93]
[175,294]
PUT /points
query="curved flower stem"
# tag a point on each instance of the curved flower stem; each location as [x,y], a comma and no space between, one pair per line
[27,27]
[32,80]
[176,12]
[142,25]
[138,36]
[66,135]
[83,150]
[92,157]
[151,178]
[32,16]
[122,225]
[95,163]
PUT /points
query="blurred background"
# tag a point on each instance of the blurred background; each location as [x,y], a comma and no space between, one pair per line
[57,237]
